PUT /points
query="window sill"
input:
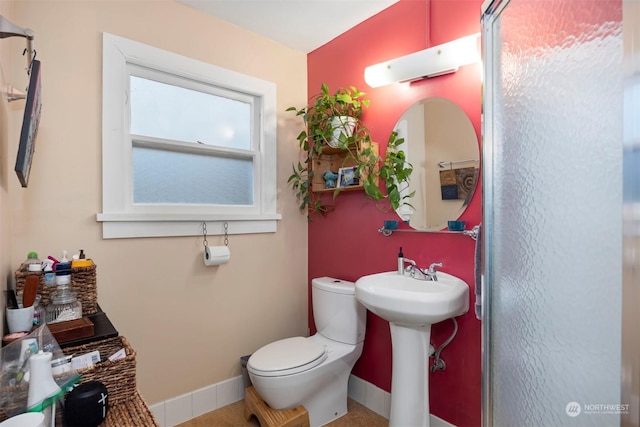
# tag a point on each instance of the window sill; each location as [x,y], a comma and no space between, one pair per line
[117,226]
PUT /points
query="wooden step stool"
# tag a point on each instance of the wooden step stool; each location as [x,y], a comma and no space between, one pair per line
[268,417]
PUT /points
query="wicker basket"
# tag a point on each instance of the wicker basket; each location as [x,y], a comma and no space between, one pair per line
[119,376]
[17,404]
[83,281]
[133,413]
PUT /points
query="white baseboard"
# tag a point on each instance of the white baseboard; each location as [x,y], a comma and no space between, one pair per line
[191,405]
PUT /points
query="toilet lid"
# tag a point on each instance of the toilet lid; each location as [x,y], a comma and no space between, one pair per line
[286,357]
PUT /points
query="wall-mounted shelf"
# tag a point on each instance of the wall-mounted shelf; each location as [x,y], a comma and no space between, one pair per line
[473,233]
[9,29]
[333,159]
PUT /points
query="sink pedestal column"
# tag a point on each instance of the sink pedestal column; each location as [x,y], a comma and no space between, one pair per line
[410,376]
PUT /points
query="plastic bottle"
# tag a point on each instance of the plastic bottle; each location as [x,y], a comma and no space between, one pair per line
[400,262]
[32,262]
[49,275]
[63,267]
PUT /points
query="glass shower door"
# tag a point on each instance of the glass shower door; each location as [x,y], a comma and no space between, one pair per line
[552,213]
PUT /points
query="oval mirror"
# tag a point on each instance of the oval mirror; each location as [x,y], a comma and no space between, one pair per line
[442,146]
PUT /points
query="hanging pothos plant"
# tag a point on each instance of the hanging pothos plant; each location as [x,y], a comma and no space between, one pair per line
[332,123]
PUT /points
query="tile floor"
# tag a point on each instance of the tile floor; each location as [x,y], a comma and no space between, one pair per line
[233,416]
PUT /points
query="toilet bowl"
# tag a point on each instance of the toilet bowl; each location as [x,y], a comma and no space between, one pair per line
[314,371]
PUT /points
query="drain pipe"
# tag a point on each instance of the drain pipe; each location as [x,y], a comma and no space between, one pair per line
[438,363]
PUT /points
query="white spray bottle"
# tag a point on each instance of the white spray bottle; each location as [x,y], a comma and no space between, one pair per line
[49,275]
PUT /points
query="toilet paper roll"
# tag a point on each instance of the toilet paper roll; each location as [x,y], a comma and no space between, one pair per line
[216,255]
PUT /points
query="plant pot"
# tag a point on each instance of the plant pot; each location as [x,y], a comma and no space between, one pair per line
[341,125]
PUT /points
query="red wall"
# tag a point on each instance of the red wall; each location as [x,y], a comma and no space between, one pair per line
[346,244]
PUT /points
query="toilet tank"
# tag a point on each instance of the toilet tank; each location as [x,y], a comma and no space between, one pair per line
[336,312]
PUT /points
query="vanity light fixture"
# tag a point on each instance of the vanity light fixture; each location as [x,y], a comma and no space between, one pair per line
[432,62]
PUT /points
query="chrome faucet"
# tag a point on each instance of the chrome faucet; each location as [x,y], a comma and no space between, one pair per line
[408,268]
[431,272]
[420,273]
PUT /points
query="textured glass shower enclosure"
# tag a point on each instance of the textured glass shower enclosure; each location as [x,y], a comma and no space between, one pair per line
[552,213]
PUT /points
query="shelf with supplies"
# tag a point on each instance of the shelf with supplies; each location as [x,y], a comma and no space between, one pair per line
[339,161]
[117,375]
[112,366]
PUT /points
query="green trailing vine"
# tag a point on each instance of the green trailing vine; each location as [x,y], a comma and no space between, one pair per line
[320,135]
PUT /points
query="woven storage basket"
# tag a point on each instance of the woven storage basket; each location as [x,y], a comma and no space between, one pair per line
[119,376]
[133,413]
[18,403]
[83,281]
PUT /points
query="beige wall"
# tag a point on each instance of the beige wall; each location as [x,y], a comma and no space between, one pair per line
[7,47]
[189,324]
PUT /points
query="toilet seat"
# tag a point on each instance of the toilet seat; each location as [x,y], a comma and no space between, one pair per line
[286,357]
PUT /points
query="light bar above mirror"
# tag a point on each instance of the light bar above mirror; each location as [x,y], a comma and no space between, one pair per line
[432,62]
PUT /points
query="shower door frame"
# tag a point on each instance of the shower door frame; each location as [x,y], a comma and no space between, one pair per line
[491,9]
[630,363]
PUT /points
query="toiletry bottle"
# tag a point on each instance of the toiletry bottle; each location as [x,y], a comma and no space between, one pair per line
[63,267]
[80,260]
[49,275]
[400,262]
[33,263]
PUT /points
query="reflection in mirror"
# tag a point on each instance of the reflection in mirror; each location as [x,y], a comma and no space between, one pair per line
[442,146]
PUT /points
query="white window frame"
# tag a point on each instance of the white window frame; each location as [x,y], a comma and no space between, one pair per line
[120,217]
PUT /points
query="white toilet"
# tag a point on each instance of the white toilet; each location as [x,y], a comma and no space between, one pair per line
[314,371]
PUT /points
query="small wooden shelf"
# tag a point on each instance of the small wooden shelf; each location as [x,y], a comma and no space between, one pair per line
[333,159]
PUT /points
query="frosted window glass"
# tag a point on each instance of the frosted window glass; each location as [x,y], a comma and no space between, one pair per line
[172,112]
[161,176]
[557,198]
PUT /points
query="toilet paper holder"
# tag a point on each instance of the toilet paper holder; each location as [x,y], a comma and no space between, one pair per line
[216,255]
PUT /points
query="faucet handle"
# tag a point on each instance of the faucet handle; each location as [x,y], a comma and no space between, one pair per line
[432,267]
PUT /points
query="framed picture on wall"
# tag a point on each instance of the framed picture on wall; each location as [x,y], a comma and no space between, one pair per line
[348,176]
[30,121]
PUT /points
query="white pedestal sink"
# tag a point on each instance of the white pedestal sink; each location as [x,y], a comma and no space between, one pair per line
[411,306]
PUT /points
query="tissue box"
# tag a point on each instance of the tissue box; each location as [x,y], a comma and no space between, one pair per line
[71,330]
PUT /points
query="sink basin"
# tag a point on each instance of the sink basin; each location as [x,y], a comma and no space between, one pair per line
[411,306]
[408,301]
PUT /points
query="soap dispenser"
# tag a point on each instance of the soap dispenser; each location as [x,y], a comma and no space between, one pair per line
[400,262]
[43,390]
